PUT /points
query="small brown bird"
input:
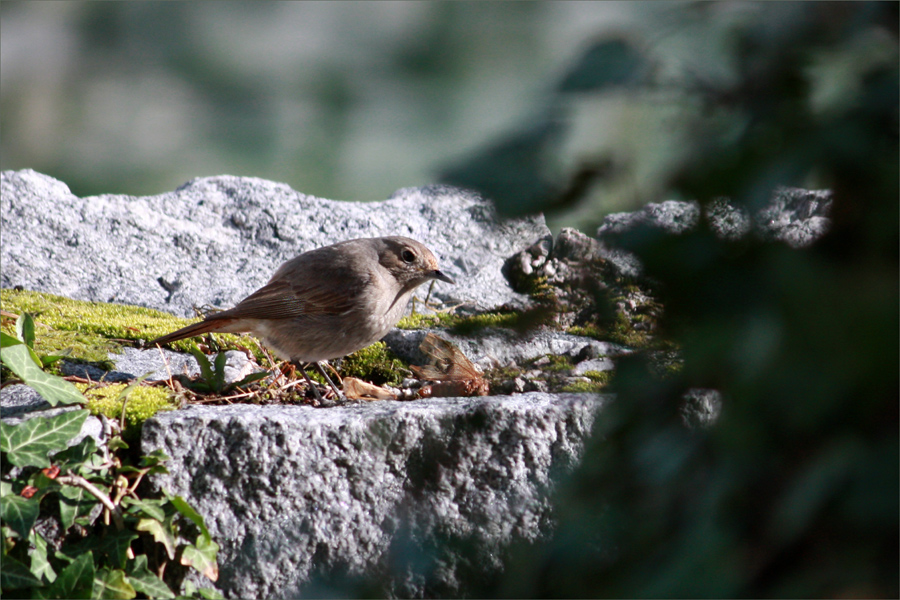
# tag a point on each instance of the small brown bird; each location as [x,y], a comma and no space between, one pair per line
[328,302]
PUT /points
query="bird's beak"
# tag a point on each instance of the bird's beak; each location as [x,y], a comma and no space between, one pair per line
[436,274]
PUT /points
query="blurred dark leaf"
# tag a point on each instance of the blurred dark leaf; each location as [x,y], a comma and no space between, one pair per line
[607,64]
[517,172]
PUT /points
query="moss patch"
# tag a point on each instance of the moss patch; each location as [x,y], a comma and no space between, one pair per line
[462,324]
[143,402]
[89,330]
[375,364]
[603,377]
[620,331]
[423,321]
[583,386]
[558,363]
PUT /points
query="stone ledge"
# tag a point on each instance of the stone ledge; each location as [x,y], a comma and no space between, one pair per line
[295,493]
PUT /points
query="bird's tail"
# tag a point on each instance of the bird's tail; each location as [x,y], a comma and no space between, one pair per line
[192,330]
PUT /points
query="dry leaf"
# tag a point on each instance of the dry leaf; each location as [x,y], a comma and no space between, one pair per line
[357,389]
[454,372]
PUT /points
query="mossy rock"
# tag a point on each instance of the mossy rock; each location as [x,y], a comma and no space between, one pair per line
[142,403]
[89,331]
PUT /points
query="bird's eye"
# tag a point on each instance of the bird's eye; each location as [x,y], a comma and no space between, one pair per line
[408,256]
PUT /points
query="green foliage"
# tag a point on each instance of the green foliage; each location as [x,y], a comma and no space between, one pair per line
[28,444]
[46,476]
[794,491]
[17,354]
[212,375]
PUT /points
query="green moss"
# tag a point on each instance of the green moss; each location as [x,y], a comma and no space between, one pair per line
[620,331]
[591,331]
[462,324]
[536,286]
[423,321]
[603,377]
[583,386]
[90,330]
[143,402]
[598,381]
[472,324]
[375,364]
[557,364]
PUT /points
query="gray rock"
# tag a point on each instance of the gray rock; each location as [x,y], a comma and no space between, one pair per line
[502,347]
[573,245]
[18,400]
[795,216]
[296,495]
[593,364]
[216,239]
[93,372]
[136,362]
[132,363]
[672,215]
[728,221]
[701,407]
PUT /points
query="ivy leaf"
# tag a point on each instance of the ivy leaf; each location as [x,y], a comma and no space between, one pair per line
[40,565]
[74,502]
[75,456]
[25,329]
[160,533]
[143,580]
[19,513]
[7,340]
[49,359]
[15,575]
[115,546]
[185,509]
[154,458]
[145,507]
[202,557]
[210,594]
[29,443]
[112,583]
[76,580]
[22,361]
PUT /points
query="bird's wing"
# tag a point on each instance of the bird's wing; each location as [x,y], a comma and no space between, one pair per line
[280,299]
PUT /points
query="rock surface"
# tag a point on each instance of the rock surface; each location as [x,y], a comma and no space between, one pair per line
[502,347]
[296,495]
[794,216]
[217,239]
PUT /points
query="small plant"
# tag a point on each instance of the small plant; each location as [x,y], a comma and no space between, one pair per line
[73,521]
[212,376]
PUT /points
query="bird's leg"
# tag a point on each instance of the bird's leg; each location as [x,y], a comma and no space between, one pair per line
[337,392]
[309,381]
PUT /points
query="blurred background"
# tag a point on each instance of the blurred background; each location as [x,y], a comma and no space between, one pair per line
[342,100]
